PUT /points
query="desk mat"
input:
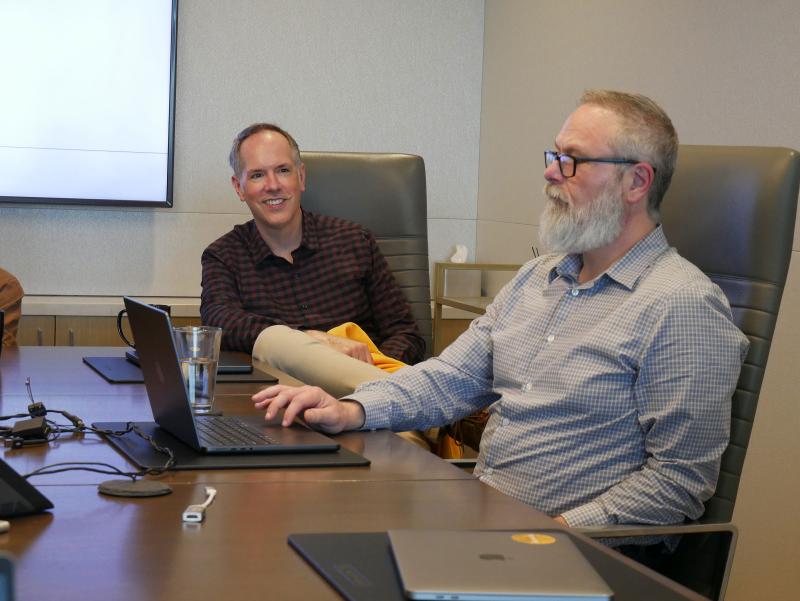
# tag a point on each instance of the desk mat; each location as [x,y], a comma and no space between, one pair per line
[118,370]
[360,567]
[357,564]
[142,454]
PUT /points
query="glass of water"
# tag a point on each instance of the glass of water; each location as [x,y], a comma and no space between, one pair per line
[198,352]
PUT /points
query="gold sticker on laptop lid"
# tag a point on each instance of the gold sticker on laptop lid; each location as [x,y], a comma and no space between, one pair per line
[533,538]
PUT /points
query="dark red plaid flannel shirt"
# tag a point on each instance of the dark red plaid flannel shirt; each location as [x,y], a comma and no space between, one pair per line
[338,275]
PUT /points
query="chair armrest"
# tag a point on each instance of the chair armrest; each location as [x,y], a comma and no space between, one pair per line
[645,530]
[725,556]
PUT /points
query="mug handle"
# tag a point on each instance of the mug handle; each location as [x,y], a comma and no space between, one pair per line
[120,331]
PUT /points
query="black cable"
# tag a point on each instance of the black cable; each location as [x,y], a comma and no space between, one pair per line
[15,416]
[37,409]
[50,469]
[80,465]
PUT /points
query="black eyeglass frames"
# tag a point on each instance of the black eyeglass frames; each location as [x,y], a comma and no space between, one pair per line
[568,163]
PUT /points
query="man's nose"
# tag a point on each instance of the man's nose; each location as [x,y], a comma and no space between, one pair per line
[552,173]
[272,181]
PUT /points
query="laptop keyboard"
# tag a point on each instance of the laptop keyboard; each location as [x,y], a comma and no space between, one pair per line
[230,432]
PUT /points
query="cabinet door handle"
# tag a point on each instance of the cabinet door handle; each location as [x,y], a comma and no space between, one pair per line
[39,337]
[71,337]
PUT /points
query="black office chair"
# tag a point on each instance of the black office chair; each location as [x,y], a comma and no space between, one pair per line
[731,212]
[387,194]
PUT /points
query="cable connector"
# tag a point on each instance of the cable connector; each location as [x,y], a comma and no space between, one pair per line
[197,513]
[76,421]
[37,409]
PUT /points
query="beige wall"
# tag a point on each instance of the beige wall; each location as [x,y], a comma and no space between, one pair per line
[376,75]
[726,71]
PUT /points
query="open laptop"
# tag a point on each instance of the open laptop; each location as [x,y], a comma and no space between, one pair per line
[172,411]
[486,565]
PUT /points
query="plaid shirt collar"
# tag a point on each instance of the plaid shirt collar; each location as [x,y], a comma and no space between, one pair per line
[628,270]
[260,251]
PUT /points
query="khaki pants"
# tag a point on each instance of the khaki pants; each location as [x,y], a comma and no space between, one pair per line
[316,364]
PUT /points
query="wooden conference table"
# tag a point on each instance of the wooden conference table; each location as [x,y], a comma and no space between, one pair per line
[94,547]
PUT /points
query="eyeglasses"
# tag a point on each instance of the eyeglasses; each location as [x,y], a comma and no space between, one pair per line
[567,163]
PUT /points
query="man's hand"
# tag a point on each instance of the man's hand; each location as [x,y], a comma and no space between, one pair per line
[351,348]
[314,405]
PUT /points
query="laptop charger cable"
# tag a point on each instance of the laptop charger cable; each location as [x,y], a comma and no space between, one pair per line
[35,428]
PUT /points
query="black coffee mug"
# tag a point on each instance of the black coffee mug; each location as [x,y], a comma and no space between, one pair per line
[121,314]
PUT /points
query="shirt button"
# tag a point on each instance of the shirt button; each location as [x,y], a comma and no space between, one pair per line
[304,306]
[550,338]
[506,421]
[527,387]
[575,292]
[488,471]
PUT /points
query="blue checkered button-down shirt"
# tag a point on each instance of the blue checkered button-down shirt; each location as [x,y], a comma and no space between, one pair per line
[609,401]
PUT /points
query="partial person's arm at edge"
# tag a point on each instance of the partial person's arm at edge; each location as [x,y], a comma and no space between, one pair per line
[399,336]
[221,306]
[11,294]
[684,389]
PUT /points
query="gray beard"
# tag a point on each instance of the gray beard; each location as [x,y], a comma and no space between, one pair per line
[565,229]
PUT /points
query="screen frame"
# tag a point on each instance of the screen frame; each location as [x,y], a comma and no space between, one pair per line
[168,201]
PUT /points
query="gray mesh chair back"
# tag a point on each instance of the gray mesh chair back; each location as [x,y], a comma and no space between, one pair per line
[731,211]
[386,193]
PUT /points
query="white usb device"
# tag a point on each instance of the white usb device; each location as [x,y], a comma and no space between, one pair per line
[197,513]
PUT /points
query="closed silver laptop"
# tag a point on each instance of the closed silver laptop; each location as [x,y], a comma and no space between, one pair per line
[486,565]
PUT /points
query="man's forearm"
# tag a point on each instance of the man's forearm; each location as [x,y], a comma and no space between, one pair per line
[631,501]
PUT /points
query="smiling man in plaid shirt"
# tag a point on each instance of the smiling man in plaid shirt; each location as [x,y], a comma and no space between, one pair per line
[277,283]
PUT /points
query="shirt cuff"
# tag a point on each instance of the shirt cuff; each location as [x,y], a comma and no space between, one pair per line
[376,409]
[589,514]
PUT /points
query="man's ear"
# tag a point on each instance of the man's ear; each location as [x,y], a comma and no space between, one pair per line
[641,180]
[302,173]
[237,186]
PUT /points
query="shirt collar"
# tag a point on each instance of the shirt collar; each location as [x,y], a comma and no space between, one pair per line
[260,250]
[628,269]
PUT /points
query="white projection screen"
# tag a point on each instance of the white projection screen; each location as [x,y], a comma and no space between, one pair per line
[87,101]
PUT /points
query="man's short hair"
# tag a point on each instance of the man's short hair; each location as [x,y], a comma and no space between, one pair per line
[647,135]
[235,158]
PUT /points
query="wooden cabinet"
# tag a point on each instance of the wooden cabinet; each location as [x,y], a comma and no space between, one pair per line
[73,330]
[36,330]
[86,331]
